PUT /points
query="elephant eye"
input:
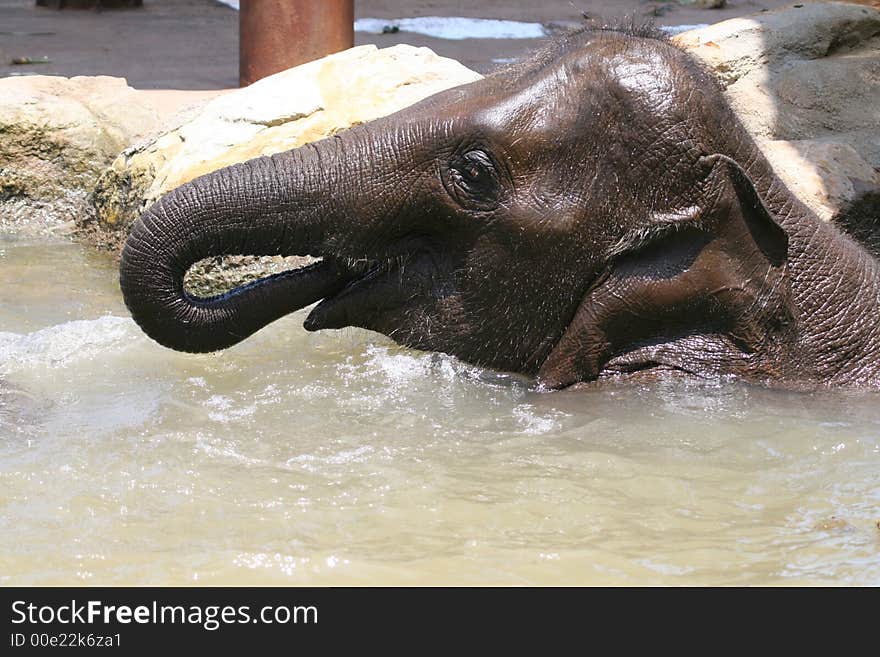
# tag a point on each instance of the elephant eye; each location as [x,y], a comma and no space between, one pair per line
[476,168]
[474,180]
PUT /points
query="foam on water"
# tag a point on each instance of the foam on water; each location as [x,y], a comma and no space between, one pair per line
[66,344]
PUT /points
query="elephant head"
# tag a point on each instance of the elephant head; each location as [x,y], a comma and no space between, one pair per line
[584,213]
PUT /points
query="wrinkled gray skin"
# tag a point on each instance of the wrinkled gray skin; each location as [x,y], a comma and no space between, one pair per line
[596,212]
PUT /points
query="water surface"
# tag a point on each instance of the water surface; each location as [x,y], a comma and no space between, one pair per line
[340,458]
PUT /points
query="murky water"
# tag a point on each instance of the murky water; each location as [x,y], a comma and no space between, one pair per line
[339,458]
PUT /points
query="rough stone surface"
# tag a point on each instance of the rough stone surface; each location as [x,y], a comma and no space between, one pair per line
[826,174]
[283,111]
[56,136]
[805,80]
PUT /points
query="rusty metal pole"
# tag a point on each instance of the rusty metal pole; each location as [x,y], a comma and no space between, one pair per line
[277,34]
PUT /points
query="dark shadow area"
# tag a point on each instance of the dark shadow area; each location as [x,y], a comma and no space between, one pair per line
[861,219]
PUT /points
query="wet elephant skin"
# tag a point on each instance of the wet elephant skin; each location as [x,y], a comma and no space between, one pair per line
[597,211]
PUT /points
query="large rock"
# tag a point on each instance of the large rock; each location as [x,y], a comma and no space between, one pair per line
[828,175]
[280,112]
[805,80]
[56,136]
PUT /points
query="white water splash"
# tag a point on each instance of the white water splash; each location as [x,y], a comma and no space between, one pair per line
[62,344]
[223,409]
[396,368]
[534,423]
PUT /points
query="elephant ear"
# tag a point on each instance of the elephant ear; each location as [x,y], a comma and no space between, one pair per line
[715,268]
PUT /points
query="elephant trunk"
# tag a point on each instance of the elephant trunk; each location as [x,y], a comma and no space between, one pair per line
[276,205]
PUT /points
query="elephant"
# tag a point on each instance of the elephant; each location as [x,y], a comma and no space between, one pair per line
[596,212]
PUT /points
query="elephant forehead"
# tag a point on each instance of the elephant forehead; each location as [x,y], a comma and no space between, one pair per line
[644,75]
[580,90]
[535,105]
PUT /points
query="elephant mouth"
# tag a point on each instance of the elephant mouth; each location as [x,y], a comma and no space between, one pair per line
[369,290]
[332,283]
[365,290]
[335,308]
